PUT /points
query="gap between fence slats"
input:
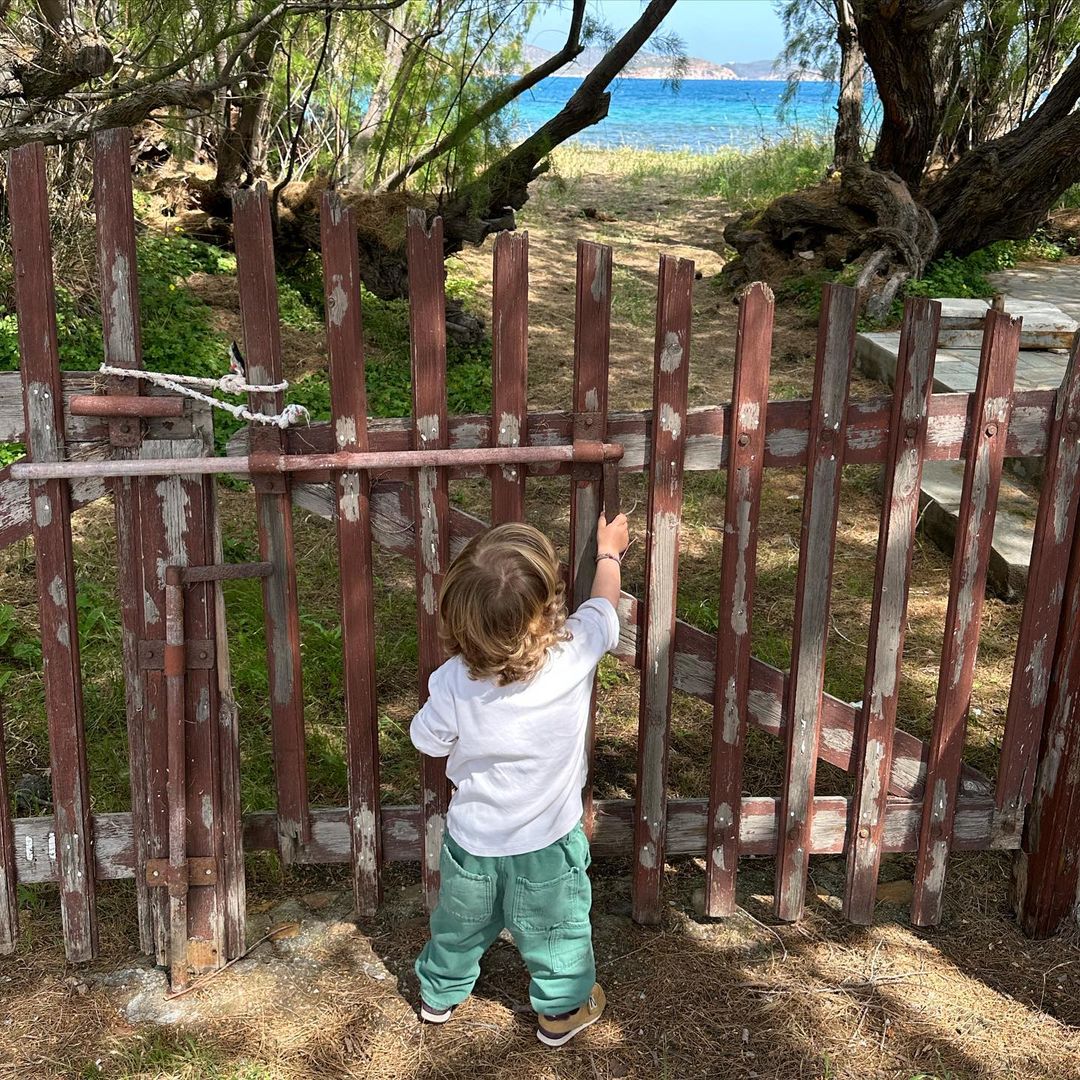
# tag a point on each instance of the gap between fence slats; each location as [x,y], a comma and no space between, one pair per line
[1043,596]
[821,500]
[348,401]
[509,370]
[888,609]
[671,363]
[262,341]
[35,303]
[738,572]
[431,502]
[967,588]
[592,334]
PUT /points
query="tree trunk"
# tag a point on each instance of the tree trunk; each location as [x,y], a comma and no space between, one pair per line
[898,40]
[847,141]
[241,145]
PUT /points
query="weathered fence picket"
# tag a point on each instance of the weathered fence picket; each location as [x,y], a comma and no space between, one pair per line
[348,401]
[1048,865]
[9,885]
[745,438]
[35,303]
[427,336]
[836,350]
[509,370]
[115,215]
[671,366]
[1044,595]
[592,331]
[991,404]
[912,387]
[257,280]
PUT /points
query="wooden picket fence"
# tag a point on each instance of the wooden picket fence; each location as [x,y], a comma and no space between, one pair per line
[387,482]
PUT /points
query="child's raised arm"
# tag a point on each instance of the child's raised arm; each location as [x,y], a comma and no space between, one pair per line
[612,539]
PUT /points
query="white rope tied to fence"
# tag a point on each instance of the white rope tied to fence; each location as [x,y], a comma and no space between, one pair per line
[235,382]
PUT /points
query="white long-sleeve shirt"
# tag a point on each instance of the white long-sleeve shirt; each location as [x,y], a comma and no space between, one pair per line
[516,753]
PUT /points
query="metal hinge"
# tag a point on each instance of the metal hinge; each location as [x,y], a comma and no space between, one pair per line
[201,870]
[199,651]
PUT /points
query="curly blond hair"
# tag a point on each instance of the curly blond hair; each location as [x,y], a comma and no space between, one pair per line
[502,604]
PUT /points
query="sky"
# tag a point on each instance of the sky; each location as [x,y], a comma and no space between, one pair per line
[716,30]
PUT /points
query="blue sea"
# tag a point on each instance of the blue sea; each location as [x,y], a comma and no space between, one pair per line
[702,115]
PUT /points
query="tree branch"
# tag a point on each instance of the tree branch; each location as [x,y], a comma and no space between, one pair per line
[503,186]
[569,52]
[125,112]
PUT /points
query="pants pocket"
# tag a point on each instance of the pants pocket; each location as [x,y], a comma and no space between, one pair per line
[541,906]
[468,898]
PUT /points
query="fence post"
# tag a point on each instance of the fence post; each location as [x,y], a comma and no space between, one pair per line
[348,399]
[431,494]
[35,301]
[509,370]
[912,387]
[658,608]
[802,700]
[990,410]
[592,332]
[262,341]
[1037,640]
[744,439]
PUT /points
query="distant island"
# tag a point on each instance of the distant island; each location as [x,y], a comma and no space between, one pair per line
[646,65]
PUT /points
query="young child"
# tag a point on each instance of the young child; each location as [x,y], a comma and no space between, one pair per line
[509,712]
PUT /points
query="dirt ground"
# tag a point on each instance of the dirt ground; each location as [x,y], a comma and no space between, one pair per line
[694,998]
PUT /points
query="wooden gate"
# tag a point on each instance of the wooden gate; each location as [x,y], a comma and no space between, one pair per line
[387,483]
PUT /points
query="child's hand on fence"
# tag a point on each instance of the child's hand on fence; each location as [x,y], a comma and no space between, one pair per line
[612,538]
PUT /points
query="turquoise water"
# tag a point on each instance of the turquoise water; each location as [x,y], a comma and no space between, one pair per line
[702,115]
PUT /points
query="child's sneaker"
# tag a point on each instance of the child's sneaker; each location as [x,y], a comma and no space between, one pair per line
[430,1015]
[557,1030]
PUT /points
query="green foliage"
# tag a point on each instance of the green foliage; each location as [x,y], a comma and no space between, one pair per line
[968,276]
[755,179]
[19,648]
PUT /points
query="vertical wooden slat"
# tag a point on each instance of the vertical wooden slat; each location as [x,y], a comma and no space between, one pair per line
[888,611]
[262,343]
[592,333]
[123,348]
[745,439]
[1037,639]
[348,398]
[228,722]
[509,370]
[51,499]
[427,332]
[670,381]
[990,410]
[176,694]
[1048,864]
[821,500]
[9,894]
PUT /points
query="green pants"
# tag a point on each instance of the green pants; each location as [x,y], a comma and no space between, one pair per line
[543,898]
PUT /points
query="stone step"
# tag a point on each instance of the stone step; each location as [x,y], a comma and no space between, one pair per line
[956,370]
[1014,525]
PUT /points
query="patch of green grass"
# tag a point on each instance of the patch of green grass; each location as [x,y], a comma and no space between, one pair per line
[162,1052]
[744,179]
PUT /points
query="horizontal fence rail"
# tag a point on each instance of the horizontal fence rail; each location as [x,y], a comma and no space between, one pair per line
[386,483]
